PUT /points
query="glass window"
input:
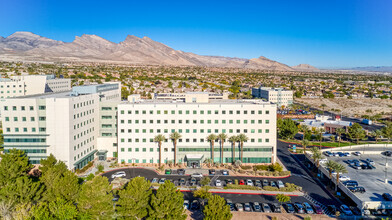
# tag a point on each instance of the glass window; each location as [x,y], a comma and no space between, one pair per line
[201,112]
[267,121]
[216,121]
[266,130]
[267,112]
[194,112]
[216,112]
[165,112]
[260,112]
[208,121]
[187,112]
[260,121]
[173,112]
[209,112]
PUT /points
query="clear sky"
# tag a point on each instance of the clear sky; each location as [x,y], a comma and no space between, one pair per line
[323,33]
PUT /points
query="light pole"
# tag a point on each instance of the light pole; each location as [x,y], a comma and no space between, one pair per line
[386,166]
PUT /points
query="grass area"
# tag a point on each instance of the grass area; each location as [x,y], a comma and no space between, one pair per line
[332,144]
[246,187]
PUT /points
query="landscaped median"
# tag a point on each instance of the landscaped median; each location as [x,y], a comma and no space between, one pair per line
[289,187]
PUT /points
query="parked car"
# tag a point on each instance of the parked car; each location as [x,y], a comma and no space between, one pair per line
[355,210]
[229,181]
[266,207]
[387,153]
[249,182]
[242,182]
[300,209]
[181,171]
[273,184]
[289,208]
[308,208]
[182,181]
[344,178]
[387,196]
[351,183]
[258,183]
[168,171]
[357,153]
[332,209]
[265,183]
[328,153]
[280,184]
[155,180]
[256,207]
[225,172]
[218,183]
[346,210]
[239,207]
[211,172]
[346,154]
[230,204]
[359,189]
[324,160]
[318,209]
[370,161]
[247,207]
[276,208]
[118,174]
[366,212]
[186,204]
[197,175]
[193,181]
[162,181]
[195,205]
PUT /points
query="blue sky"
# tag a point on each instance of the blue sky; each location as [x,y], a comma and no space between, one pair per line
[323,33]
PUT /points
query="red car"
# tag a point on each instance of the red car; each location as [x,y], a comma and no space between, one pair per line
[242,182]
[318,209]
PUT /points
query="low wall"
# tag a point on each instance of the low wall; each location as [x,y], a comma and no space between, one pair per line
[378,148]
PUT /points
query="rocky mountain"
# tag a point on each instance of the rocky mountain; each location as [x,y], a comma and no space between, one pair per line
[305,67]
[133,50]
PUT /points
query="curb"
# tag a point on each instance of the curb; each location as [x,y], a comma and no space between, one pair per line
[270,177]
[248,193]
[288,142]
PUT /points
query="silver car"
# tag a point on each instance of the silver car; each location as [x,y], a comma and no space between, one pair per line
[266,207]
[118,174]
[247,207]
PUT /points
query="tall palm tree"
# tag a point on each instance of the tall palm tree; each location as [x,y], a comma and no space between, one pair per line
[242,138]
[159,138]
[319,133]
[330,165]
[377,134]
[340,132]
[222,137]
[304,144]
[211,138]
[316,156]
[339,169]
[174,137]
[233,140]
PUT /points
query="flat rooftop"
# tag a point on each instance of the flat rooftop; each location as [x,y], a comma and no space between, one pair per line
[213,101]
[65,94]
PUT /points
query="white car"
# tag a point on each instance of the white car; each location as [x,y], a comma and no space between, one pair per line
[186,204]
[118,174]
[249,182]
[324,160]
[344,178]
[218,183]
[197,175]
[357,153]
[280,184]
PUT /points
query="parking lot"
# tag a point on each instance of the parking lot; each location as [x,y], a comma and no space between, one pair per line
[371,179]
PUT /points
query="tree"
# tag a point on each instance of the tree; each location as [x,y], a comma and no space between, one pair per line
[167,203]
[24,190]
[339,169]
[387,131]
[304,144]
[319,133]
[211,138]
[287,129]
[222,137]
[283,198]
[377,134]
[134,199]
[124,93]
[242,138]
[233,140]
[340,132]
[13,165]
[217,209]
[205,181]
[159,139]
[356,132]
[174,137]
[208,161]
[316,156]
[95,199]
[330,165]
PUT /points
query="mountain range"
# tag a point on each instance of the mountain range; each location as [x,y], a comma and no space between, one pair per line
[133,50]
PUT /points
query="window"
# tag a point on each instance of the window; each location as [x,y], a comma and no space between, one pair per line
[22,108]
[216,112]
[129,149]
[187,112]
[122,149]
[42,129]
[31,108]
[267,121]
[42,118]
[230,121]
[267,140]
[23,118]
[238,121]
[260,121]
[260,112]
[194,112]
[7,119]
[5,108]
[42,107]
[245,121]
[209,121]
[245,112]
[266,130]
[14,108]
[165,112]
[122,112]
[252,112]
[216,121]
[267,112]
[15,118]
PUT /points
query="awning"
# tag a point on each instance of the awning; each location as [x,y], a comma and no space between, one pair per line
[194,156]
[101,152]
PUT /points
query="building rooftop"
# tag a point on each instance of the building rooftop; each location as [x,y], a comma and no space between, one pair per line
[220,101]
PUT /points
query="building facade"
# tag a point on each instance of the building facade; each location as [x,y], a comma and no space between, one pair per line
[64,124]
[278,96]
[140,122]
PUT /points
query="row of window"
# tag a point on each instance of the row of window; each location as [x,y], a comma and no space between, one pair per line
[41,118]
[81,124]
[14,91]
[196,121]
[81,104]
[83,153]
[14,86]
[30,151]
[194,131]
[84,113]
[41,129]
[226,160]
[187,140]
[84,133]
[195,112]
[23,108]
[24,140]
[84,143]
[217,149]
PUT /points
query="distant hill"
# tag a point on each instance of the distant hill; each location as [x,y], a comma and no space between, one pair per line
[305,67]
[133,50]
[373,68]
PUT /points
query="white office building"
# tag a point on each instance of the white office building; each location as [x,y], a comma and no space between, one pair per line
[278,96]
[32,84]
[64,124]
[140,121]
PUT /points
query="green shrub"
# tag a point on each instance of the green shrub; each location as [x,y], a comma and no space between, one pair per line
[235,182]
[246,167]
[270,188]
[261,167]
[231,186]
[85,168]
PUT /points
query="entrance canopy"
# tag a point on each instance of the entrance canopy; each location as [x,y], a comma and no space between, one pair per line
[194,160]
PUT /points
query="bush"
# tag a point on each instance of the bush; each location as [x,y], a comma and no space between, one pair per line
[90,177]
[235,182]
[231,186]
[270,188]
[241,171]
[276,167]
[246,167]
[260,167]
[85,168]
[205,181]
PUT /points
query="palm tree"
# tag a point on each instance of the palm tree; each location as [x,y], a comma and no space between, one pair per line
[377,134]
[339,132]
[211,138]
[316,156]
[174,137]
[319,132]
[208,162]
[222,137]
[242,138]
[233,140]
[159,138]
[339,169]
[304,144]
[330,165]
